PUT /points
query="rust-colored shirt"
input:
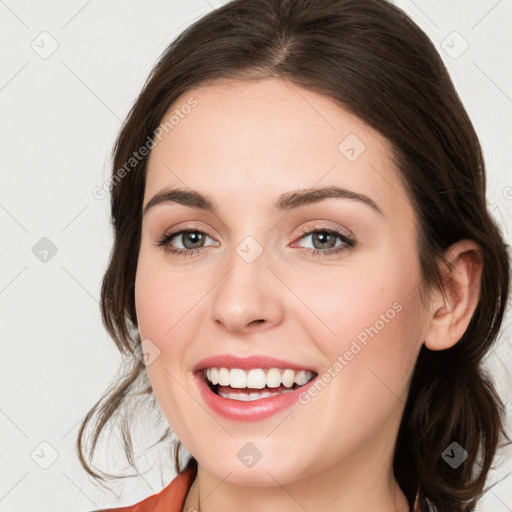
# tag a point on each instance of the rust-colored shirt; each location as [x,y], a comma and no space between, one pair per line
[170,498]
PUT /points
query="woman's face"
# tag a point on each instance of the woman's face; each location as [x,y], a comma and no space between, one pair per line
[261,283]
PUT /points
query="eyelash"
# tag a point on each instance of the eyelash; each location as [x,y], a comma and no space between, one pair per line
[348,241]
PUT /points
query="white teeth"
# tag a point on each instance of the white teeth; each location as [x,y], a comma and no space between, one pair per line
[223,377]
[249,397]
[274,378]
[301,377]
[237,378]
[288,378]
[258,378]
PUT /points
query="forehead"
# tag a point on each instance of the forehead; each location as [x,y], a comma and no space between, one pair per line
[258,139]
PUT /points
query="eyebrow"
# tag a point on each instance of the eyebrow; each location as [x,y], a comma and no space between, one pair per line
[285,202]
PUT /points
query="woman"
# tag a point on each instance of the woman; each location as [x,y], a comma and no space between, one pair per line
[305,264]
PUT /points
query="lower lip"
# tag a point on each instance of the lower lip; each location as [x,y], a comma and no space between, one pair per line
[253,410]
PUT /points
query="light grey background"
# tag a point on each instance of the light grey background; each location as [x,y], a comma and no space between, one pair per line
[60,115]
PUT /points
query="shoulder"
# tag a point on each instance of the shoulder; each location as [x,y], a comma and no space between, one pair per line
[170,499]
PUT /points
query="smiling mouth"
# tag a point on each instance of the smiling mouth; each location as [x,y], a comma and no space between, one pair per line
[254,384]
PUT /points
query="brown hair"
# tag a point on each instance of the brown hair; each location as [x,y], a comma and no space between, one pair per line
[373,61]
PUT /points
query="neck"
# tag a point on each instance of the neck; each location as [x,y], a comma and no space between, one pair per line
[356,485]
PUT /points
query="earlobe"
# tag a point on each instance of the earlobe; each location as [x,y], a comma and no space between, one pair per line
[452,308]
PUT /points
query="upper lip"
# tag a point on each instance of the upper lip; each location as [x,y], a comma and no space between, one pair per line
[247,363]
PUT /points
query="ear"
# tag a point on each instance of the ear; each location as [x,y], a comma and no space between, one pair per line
[450,311]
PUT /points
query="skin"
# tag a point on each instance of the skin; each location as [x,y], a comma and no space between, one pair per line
[245,144]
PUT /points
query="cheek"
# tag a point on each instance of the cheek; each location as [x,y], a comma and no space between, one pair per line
[364,302]
[372,328]
[163,298]
[160,303]
[369,364]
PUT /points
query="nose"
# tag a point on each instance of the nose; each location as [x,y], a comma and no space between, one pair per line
[247,297]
